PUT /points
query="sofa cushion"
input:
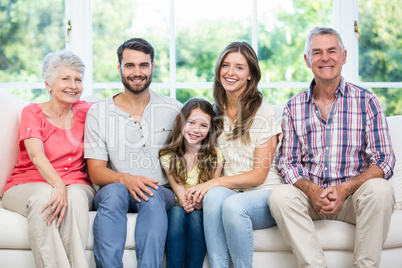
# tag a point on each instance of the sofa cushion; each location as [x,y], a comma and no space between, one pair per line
[395,130]
[10,109]
[13,230]
[333,235]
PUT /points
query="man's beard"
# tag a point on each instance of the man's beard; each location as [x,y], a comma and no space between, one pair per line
[135,89]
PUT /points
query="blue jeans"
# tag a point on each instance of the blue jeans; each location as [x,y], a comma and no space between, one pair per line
[185,243]
[112,203]
[229,220]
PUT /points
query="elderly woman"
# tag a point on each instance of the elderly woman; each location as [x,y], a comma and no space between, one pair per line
[49,185]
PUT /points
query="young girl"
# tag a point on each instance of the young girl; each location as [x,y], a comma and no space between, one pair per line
[188,159]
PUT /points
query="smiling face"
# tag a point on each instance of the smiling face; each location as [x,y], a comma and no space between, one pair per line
[234,73]
[326,58]
[67,86]
[136,70]
[196,128]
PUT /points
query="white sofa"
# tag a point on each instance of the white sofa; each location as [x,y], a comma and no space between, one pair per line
[337,238]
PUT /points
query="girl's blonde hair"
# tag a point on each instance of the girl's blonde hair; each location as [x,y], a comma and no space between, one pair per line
[207,160]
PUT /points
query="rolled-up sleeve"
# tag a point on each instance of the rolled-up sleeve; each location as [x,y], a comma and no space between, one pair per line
[379,148]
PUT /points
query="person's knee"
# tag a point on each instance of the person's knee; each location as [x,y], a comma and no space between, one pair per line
[195,218]
[232,210]
[155,204]
[114,196]
[39,198]
[378,186]
[378,190]
[176,214]
[77,195]
[233,205]
[282,196]
[213,196]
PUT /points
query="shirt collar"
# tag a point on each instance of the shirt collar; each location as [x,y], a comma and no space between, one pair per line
[340,90]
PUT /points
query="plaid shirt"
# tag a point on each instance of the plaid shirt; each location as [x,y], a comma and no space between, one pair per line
[354,137]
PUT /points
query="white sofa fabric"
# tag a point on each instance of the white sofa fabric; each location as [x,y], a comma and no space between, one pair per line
[337,238]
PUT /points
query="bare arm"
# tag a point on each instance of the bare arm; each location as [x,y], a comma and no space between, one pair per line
[101,175]
[263,157]
[198,202]
[180,191]
[58,201]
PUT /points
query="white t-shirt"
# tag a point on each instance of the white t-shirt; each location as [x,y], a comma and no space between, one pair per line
[239,157]
[128,146]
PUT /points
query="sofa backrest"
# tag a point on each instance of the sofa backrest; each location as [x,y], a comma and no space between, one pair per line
[395,130]
[10,113]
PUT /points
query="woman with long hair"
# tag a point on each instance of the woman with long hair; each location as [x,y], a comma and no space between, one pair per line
[249,133]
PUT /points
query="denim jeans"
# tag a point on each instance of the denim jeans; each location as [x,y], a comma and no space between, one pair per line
[185,243]
[229,220]
[112,203]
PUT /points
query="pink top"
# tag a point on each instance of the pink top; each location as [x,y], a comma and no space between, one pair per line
[64,148]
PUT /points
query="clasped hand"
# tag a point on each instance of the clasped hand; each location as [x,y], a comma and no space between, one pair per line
[329,201]
[190,206]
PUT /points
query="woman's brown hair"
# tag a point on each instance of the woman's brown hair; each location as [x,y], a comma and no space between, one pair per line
[249,101]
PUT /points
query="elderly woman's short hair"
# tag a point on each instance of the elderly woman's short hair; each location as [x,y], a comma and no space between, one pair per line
[54,60]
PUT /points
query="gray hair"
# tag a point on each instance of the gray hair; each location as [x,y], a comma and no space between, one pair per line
[320,31]
[54,60]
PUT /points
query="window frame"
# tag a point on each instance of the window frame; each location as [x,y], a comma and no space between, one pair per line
[79,12]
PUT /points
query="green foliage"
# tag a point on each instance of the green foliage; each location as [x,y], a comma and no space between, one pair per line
[199,46]
[183,95]
[281,46]
[111,29]
[28,31]
[380,50]
[31,29]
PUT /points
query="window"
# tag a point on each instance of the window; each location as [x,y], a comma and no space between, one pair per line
[146,19]
[189,35]
[380,51]
[29,30]
[282,29]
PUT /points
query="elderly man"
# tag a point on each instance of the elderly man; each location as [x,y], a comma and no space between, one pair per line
[336,157]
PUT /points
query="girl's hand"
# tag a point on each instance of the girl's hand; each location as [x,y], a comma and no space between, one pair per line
[187,206]
[198,205]
[196,193]
[57,204]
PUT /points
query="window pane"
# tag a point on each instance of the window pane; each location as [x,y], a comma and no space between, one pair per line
[29,94]
[282,29]
[391,100]
[184,94]
[279,96]
[380,49]
[28,31]
[110,28]
[203,29]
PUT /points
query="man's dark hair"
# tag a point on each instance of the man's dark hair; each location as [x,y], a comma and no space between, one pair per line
[136,44]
